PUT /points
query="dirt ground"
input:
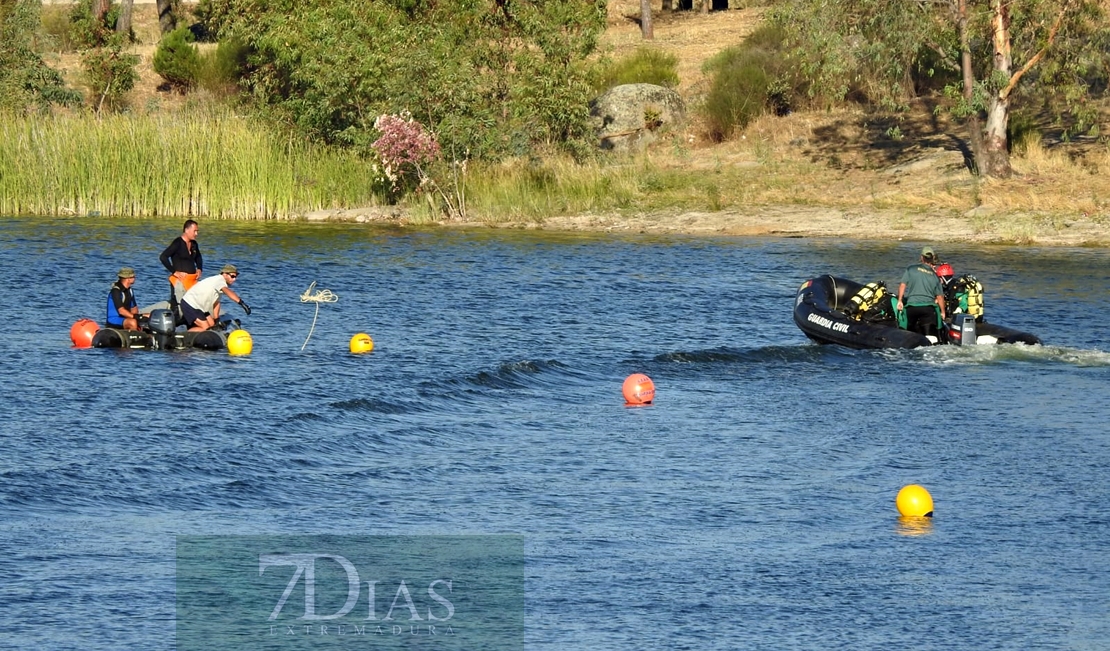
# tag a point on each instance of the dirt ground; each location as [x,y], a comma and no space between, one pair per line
[792,221]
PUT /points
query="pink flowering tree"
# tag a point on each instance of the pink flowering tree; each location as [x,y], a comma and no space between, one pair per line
[407,150]
[409,153]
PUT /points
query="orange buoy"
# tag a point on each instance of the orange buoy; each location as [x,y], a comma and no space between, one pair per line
[82,332]
[638,389]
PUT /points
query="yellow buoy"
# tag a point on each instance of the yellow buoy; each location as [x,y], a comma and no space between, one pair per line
[914,501]
[239,342]
[361,343]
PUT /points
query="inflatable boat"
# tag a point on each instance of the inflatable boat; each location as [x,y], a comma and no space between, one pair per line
[827,310]
[161,333]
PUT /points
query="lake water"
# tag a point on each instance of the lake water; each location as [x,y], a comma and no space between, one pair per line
[751,507]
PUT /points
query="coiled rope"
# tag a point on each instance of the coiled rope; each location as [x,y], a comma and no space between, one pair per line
[322,296]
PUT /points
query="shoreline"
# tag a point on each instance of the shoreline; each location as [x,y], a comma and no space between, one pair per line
[981,227]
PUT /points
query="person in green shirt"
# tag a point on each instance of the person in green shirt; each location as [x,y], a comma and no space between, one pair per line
[920,294]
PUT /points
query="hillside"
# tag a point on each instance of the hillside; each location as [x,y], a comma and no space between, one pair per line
[851,172]
[838,172]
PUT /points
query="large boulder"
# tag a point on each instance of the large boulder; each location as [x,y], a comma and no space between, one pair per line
[631,115]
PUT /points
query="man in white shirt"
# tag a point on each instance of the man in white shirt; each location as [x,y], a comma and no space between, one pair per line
[201,305]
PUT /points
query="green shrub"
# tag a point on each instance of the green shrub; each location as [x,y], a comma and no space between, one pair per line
[110,73]
[644,66]
[177,59]
[221,69]
[746,80]
[85,31]
[213,16]
[26,81]
[58,29]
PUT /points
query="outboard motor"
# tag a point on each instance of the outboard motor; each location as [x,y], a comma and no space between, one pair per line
[163,328]
[965,334]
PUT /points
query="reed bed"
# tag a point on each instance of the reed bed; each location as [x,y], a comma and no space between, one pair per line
[217,166]
[533,190]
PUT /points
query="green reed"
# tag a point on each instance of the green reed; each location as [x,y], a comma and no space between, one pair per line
[161,165]
[533,190]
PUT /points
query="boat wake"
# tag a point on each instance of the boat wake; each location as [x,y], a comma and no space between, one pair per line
[1014,353]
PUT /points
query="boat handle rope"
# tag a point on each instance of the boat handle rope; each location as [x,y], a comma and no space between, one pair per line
[321,296]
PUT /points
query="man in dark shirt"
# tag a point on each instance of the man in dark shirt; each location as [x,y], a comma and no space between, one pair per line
[123,311]
[182,257]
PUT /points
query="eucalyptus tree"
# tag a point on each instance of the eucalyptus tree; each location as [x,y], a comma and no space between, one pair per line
[1045,51]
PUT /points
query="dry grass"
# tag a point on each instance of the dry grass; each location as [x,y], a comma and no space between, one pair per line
[849,158]
[1053,181]
[690,35]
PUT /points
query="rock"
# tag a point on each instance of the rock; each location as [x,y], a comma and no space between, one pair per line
[629,116]
[358,215]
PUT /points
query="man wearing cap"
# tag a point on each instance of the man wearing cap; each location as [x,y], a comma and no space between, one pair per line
[920,294]
[201,305]
[123,310]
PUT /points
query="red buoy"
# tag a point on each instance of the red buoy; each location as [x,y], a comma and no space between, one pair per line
[638,389]
[82,332]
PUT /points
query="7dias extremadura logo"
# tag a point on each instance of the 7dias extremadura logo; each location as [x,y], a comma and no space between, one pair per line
[316,592]
[437,606]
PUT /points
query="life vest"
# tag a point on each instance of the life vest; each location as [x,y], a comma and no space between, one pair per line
[965,296]
[114,318]
[870,303]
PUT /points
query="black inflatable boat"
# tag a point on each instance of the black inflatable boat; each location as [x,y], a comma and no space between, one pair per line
[823,310]
[161,333]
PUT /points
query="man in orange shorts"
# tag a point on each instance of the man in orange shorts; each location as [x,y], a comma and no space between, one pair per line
[183,260]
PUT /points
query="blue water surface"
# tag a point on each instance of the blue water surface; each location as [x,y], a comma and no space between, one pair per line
[751,507]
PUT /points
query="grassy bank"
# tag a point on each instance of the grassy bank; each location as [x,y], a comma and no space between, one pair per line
[220,166]
[180,165]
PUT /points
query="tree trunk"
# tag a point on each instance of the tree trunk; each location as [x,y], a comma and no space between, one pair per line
[975,126]
[123,23]
[996,151]
[99,8]
[165,16]
[668,5]
[705,6]
[645,20]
